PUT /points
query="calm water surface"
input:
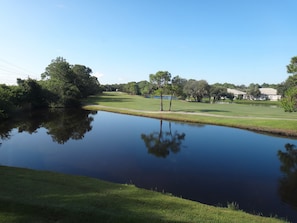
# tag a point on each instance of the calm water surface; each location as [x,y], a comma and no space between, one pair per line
[210,164]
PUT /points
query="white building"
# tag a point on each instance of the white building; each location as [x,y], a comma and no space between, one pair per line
[237,94]
[266,94]
[270,94]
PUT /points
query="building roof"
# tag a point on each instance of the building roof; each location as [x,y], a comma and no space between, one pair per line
[235,92]
[268,91]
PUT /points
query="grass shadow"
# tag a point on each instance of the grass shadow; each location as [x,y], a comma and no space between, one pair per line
[49,197]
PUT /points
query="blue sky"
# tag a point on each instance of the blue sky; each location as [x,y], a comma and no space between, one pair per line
[234,41]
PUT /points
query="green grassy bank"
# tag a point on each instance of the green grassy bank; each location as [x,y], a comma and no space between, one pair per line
[39,196]
[258,118]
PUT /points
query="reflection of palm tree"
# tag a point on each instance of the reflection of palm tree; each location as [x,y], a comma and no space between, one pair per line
[160,144]
[288,183]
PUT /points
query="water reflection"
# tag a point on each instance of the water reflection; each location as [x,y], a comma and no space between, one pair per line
[161,143]
[61,124]
[288,183]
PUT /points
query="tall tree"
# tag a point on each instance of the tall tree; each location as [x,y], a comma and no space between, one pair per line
[292,67]
[176,88]
[160,80]
[59,69]
[60,80]
[289,88]
[82,79]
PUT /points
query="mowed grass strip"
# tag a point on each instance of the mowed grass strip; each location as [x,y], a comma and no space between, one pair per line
[258,118]
[39,196]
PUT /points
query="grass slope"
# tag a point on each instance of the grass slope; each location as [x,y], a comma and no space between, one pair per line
[39,196]
[259,118]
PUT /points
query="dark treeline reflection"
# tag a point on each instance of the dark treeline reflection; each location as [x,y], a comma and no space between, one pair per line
[61,124]
[161,143]
[288,183]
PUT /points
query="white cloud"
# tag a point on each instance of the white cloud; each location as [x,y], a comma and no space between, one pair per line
[98,75]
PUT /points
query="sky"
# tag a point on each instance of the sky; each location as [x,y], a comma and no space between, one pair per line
[220,41]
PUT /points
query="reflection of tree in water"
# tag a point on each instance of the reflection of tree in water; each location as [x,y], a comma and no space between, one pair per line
[61,124]
[68,124]
[161,143]
[288,183]
[5,129]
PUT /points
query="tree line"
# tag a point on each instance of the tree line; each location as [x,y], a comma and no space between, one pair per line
[64,85]
[184,88]
[61,85]
[162,83]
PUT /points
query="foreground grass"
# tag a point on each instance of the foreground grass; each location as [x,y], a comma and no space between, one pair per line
[38,196]
[258,118]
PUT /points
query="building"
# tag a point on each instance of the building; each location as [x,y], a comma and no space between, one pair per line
[266,94]
[269,94]
[237,94]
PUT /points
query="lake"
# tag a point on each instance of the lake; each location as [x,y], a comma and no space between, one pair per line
[210,164]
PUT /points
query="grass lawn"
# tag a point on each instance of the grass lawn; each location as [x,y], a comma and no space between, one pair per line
[260,118]
[39,196]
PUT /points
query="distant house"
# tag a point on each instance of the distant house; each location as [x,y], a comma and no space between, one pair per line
[266,94]
[269,94]
[237,94]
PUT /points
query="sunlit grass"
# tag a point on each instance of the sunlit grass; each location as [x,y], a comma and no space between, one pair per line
[38,196]
[261,118]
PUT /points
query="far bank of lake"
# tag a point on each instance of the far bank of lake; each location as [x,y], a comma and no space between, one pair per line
[267,119]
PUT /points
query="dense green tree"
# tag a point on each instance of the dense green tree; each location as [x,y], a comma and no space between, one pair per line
[291,80]
[82,79]
[160,80]
[145,88]
[292,67]
[176,88]
[68,83]
[60,80]
[217,91]
[132,88]
[289,83]
[197,89]
[253,91]
[190,88]
[31,93]
[266,85]
[6,101]
[59,69]
[288,89]
[114,87]
[228,85]
[289,101]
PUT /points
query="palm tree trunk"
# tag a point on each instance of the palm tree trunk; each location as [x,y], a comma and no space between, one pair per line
[161,104]
[170,103]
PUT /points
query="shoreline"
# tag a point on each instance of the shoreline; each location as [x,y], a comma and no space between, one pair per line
[211,119]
